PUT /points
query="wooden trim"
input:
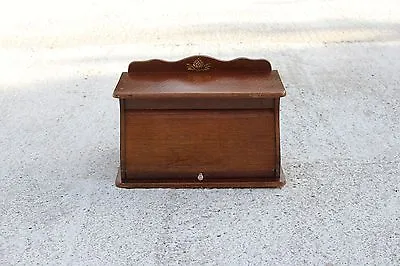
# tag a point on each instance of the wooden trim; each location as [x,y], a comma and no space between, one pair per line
[209,176]
[275,182]
[122,139]
[194,104]
[277,138]
[200,63]
[115,92]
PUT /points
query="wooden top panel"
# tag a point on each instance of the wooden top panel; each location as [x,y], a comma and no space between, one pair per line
[200,77]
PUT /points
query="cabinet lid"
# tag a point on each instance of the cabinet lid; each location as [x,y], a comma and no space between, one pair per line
[199,77]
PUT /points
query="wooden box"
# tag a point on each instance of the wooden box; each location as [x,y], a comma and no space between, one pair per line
[199,122]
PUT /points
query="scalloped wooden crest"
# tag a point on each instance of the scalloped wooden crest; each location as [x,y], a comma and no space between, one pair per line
[200,63]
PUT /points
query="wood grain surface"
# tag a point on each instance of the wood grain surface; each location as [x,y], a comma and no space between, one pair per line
[199,85]
[182,144]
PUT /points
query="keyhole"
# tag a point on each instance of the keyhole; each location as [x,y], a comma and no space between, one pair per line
[200,177]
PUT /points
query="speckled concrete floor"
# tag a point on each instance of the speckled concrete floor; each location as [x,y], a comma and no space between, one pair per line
[340,126]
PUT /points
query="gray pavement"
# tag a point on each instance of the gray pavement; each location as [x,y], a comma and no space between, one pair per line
[340,63]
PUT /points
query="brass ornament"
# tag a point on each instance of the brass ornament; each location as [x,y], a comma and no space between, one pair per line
[198,65]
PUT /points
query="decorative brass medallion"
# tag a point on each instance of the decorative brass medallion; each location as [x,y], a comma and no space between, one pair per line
[198,65]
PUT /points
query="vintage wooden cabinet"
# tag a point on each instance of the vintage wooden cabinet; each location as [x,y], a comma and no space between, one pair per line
[199,122]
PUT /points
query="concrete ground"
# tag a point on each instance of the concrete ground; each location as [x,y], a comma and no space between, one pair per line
[340,63]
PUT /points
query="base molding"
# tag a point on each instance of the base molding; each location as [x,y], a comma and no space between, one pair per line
[226,183]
